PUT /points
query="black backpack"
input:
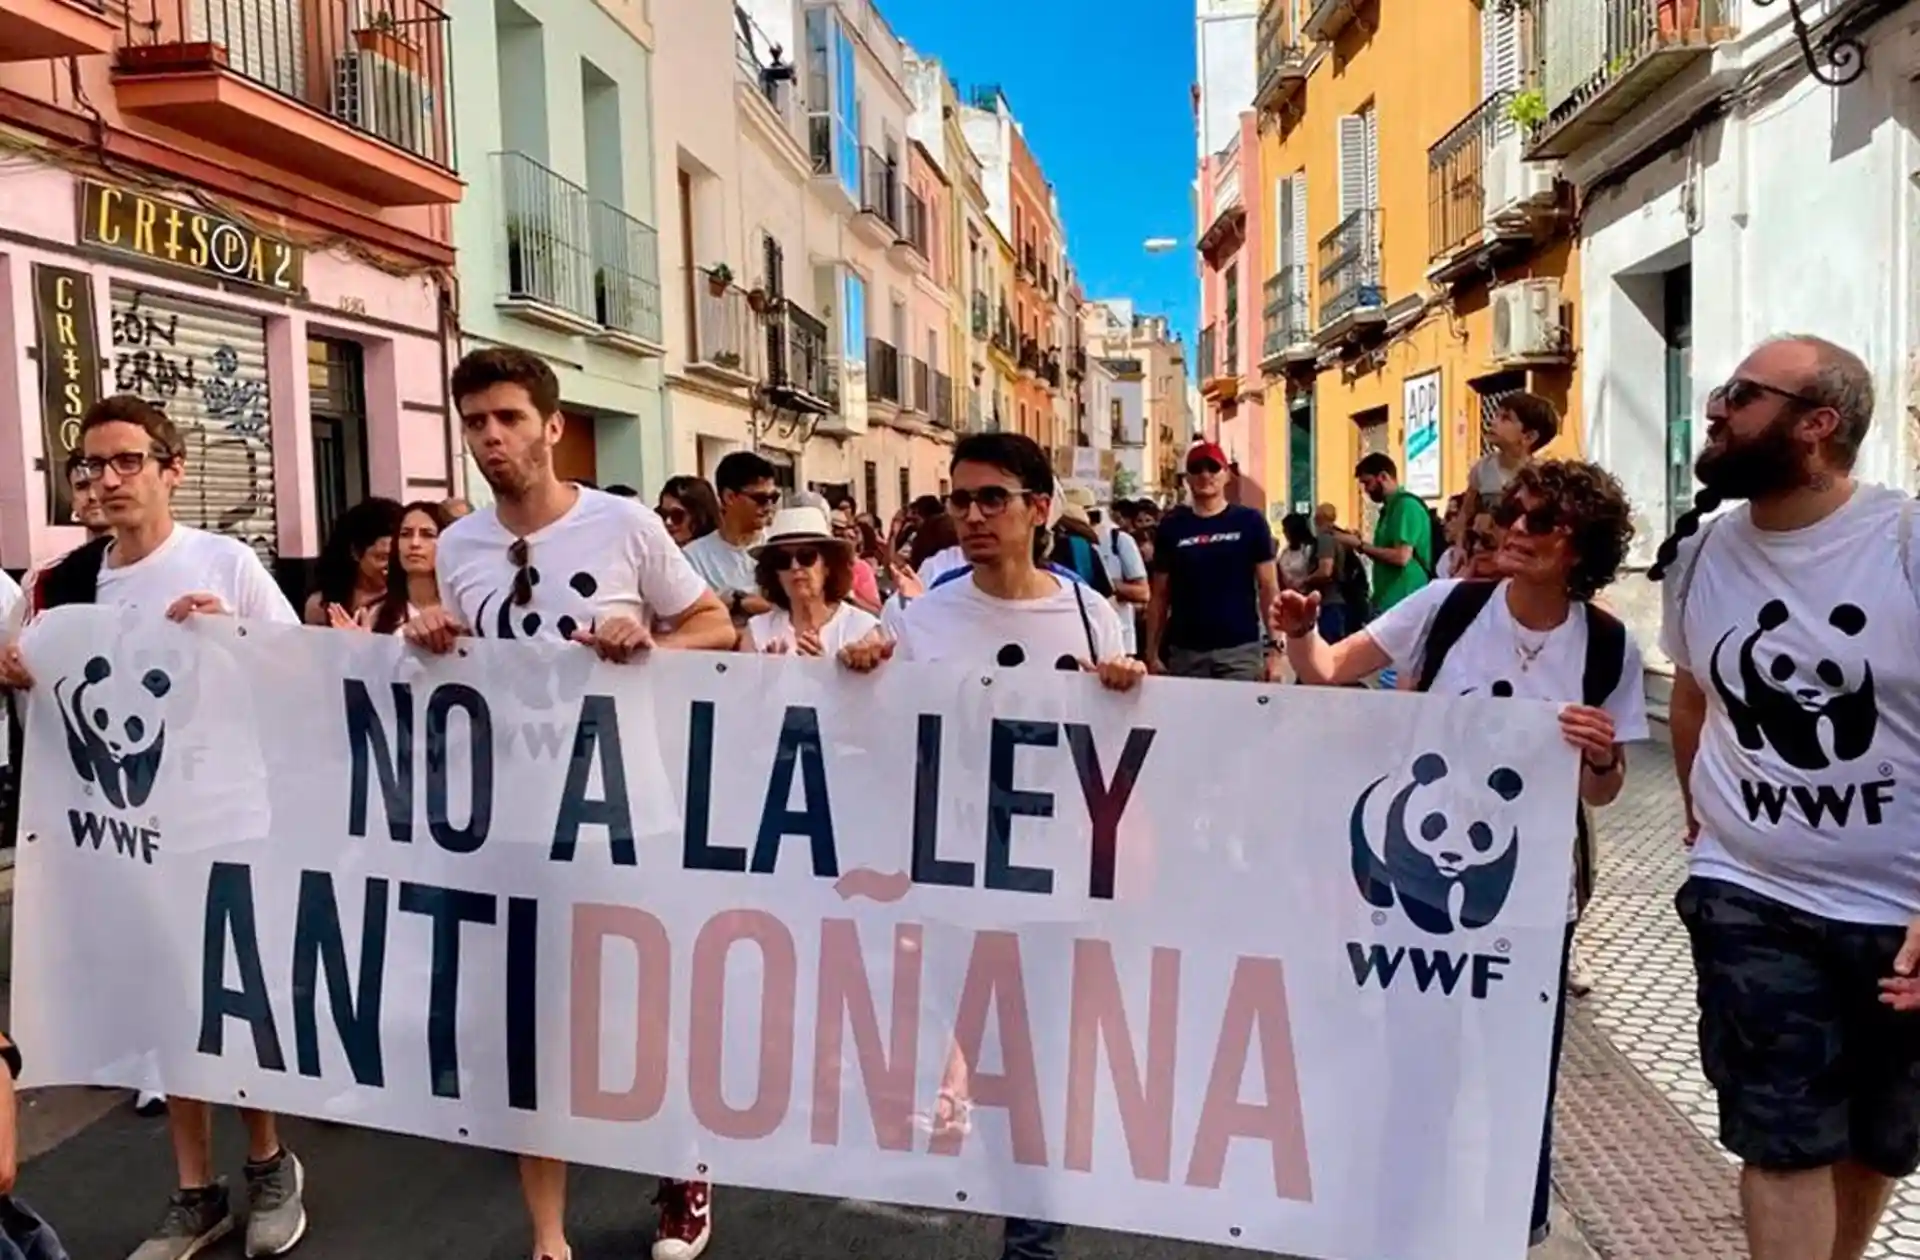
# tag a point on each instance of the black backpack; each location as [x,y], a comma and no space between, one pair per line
[1436,543]
[1600,676]
[1356,588]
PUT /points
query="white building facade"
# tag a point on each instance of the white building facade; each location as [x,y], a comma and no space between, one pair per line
[1746,198]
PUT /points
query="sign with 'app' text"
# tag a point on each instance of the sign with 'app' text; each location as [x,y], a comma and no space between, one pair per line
[1254,966]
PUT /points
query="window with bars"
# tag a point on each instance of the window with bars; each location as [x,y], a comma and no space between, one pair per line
[1492,391]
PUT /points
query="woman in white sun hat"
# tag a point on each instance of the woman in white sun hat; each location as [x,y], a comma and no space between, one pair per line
[806,573]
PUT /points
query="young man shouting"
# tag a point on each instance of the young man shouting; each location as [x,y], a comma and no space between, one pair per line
[553,560]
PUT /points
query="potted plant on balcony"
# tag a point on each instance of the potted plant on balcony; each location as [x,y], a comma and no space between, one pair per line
[1527,109]
[531,260]
[719,277]
[382,37]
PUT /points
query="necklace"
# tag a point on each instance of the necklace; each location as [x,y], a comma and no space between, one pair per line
[1528,652]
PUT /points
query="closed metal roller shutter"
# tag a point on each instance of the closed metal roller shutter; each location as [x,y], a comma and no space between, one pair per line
[207,367]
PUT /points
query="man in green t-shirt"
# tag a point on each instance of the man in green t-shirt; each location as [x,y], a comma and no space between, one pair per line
[1402,546]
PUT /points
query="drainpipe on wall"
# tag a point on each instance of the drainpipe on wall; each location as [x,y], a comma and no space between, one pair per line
[449,289]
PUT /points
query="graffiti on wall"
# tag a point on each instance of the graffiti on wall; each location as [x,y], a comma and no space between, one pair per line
[222,412]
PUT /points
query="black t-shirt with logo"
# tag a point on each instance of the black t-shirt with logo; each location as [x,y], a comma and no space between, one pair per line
[1211,563]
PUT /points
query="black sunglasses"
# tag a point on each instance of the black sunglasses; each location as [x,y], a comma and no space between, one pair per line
[1539,520]
[1202,466]
[1741,392]
[674,515]
[765,499]
[519,553]
[787,557]
[993,500]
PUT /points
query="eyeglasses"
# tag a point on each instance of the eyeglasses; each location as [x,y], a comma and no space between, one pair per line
[674,516]
[520,554]
[1741,392]
[765,499]
[993,500]
[1539,520]
[124,464]
[787,557]
[1202,466]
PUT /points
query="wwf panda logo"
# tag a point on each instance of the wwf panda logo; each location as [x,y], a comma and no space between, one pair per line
[116,729]
[1782,704]
[548,616]
[1445,876]
[1011,655]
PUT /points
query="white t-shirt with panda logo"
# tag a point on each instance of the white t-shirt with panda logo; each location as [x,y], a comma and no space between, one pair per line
[960,623]
[607,555]
[1495,656]
[1806,643]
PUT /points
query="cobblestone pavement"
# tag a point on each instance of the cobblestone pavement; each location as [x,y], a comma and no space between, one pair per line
[1643,1010]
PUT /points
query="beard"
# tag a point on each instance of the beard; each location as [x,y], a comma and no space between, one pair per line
[1770,462]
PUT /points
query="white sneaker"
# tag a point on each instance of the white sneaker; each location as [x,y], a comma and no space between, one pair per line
[1579,979]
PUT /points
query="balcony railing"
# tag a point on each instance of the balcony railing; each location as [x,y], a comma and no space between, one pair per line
[1280,62]
[943,400]
[722,323]
[880,189]
[1350,267]
[626,274]
[913,222]
[387,76]
[1456,177]
[1005,339]
[883,372]
[1602,58]
[918,394]
[1050,367]
[1284,317]
[1029,355]
[797,355]
[982,317]
[1028,262]
[1203,358]
[548,240]
[1077,367]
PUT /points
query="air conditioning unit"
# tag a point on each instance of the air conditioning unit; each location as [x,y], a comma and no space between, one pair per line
[1510,182]
[389,100]
[1527,321]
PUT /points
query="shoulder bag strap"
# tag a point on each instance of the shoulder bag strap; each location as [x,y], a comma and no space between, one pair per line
[1086,623]
[1693,566]
[1462,604]
[1606,657]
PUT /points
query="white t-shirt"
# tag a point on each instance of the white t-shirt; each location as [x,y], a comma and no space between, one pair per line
[1124,564]
[940,563]
[959,622]
[1807,645]
[1488,479]
[847,625]
[1495,656]
[606,555]
[194,562]
[724,567]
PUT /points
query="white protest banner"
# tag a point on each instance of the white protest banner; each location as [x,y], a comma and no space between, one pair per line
[1256,966]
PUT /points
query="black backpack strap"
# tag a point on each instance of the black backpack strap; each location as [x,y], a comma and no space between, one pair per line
[1086,622]
[1457,611]
[1606,657]
[72,579]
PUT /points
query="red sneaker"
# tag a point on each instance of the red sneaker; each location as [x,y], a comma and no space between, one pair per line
[686,1219]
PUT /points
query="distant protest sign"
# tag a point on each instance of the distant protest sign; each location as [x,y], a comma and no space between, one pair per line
[1255,966]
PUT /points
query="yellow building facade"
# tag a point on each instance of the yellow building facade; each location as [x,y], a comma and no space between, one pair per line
[1418,269]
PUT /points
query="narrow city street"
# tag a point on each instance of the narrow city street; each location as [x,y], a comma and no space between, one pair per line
[1639,1172]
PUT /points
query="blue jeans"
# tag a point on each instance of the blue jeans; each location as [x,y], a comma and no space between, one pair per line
[1032,1240]
[1333,622]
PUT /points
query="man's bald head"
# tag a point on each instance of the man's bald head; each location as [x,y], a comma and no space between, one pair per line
[1826,375]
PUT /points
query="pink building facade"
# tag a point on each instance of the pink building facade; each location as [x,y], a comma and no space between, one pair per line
[1227,358]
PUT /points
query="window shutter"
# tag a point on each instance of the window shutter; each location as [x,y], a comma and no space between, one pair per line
[1353,164]
[1297,229]
[1371,119]
[1283,222]
[776,281]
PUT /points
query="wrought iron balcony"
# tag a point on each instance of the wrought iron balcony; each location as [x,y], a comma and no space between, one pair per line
[1050,367]
[626,276]
[1285,322]
[982,317]
[799,368]
[544,218]
[943,400]
[1350,278]
[914,231]
[883,372]
[1456,178]
[1280,62]
[918,394]
[1005,339]
[1602,58]
[722,325]
[35,30]
[1203,358]
[880,190]
[249,75]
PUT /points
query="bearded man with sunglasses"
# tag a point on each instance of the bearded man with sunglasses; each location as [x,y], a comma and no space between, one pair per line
[1793,622]
[553,560]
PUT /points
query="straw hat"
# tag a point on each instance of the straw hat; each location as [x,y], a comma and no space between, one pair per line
[1079,502]
[804,524]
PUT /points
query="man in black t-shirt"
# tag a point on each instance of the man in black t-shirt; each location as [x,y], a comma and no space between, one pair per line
[1213,577]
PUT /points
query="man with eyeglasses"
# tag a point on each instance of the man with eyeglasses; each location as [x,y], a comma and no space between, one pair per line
[1213,574]
[748,496]
[132,459]
[555,561]
[1793,623]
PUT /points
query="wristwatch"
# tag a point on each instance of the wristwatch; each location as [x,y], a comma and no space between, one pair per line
[734,601]
[1613,763]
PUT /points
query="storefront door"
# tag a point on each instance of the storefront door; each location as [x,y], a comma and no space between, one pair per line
[576,458]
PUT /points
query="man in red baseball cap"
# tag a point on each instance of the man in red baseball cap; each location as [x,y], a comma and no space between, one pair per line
[1212,575]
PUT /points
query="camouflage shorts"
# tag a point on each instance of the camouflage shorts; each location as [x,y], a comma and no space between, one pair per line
[1809,1067]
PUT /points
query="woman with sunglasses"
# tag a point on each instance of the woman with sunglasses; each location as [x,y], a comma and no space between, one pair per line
[688,508]
[806,573]
[1533,634]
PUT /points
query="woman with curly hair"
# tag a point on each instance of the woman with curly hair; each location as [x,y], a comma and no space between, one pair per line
[1532,633]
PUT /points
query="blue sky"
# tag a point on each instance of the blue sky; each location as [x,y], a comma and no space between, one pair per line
[1102,89]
